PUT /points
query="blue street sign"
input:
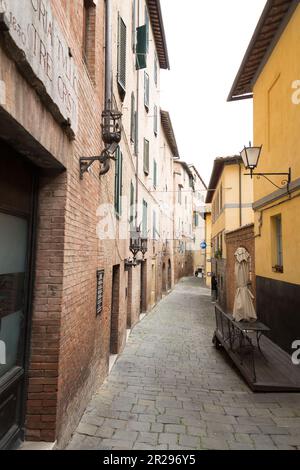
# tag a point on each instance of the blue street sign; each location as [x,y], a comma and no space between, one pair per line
[203,245]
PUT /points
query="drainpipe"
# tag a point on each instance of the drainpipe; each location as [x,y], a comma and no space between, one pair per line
[108,72]
[240,193]
[108,56]
[137,132]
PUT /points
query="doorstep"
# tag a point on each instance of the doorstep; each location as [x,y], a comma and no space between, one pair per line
[32,445]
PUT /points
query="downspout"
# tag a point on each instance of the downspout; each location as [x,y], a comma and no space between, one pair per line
[240,193]
[137,133]
[108,71]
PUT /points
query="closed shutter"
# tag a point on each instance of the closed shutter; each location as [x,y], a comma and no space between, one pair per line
[155,70]
[132,122]
[133,29]
[146,156]
[155,120]
[146,90]
[122,54]
[131,211]
[136,137]
[155,174]
[147,23]
[118,181]
[141,48]
[154,225]
[145,219]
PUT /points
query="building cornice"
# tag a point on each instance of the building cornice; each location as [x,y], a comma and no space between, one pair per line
[158,29]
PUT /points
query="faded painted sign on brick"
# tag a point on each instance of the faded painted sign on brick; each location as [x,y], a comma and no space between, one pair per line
[35,31]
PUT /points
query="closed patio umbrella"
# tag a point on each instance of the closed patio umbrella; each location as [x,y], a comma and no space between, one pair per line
[243,309]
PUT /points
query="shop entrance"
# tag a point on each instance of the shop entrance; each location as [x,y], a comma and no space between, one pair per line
[17,182]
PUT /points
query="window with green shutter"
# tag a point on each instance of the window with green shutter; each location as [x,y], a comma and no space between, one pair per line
[132,118]
[155,125]
[146,156]
[145,220]
[146,91]
[136,137]
[155,70]
[155,174]
[196,219]
[141,47]
[147,23]
[131,209]
[154,228]
[133,29]
[118,181]
[122,55]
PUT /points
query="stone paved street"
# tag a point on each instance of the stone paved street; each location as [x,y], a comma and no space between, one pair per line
[170,389]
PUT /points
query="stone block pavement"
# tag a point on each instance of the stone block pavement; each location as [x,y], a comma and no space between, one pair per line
[171,389]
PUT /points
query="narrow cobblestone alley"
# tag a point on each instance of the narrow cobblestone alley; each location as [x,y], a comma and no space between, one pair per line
[170,389]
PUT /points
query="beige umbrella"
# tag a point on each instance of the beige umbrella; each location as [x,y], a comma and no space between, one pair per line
[243,309]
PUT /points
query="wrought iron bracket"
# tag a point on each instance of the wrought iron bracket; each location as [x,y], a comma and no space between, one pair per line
[87,162]
[286,182]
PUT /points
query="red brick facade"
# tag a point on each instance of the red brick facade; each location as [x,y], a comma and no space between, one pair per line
[242,237]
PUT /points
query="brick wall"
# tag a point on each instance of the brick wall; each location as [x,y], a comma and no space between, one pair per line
[243,237]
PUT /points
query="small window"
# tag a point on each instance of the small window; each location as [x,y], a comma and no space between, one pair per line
[122,56]
[88,36]
[131,209]
[155,70]
[179,194]
[118,182]
[277,250]
[133,29]
[146,91]
[155,121]
[154,226]
[155,174]
[146,156]
[145,219]
[132,118]
[196,219]
[147,23]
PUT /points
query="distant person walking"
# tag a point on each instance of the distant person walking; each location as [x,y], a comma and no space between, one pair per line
[214,288]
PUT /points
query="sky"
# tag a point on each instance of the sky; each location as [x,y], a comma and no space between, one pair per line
[206,42]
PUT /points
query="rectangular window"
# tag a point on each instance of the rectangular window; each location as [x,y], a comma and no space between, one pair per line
[136,137]
[147,23]
[154,226]
[131,209]
[118,181]
[88,36]
[146,90]
[122,54]
[155,70]
[277,250]
[196,219]
[145,220]
[155,121]
[133,29]
[155,174]
[146,156]
[132,118]
[179,194]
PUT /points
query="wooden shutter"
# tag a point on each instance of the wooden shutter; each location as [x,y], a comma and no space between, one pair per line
[146,90]
[155,120]
[133,29]
[118,181]
[141,48]
[122,54]
[147,23]
[132,122]
[155,70]
[145,219]
[131,209]
[154,225]
[155,174]
[146,156]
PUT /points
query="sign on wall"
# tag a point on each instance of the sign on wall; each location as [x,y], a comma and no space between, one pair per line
[34,30]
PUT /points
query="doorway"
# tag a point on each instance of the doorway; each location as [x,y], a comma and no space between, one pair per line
[17,202]
[115,307]
[144,303]
[169,275]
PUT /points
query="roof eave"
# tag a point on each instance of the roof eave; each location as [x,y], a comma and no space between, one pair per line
[155,13]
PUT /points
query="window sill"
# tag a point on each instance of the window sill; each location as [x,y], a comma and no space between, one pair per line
[277,269]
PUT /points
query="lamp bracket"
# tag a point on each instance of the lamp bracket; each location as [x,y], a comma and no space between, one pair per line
[87,162]
[287,181]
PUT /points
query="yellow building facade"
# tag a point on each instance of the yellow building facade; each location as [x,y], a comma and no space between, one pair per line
[230,194]
[275,86]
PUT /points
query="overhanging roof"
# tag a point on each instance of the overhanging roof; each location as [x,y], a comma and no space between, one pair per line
[273,21]
[169,132]
[158,29]
[198,174]
[217,171]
